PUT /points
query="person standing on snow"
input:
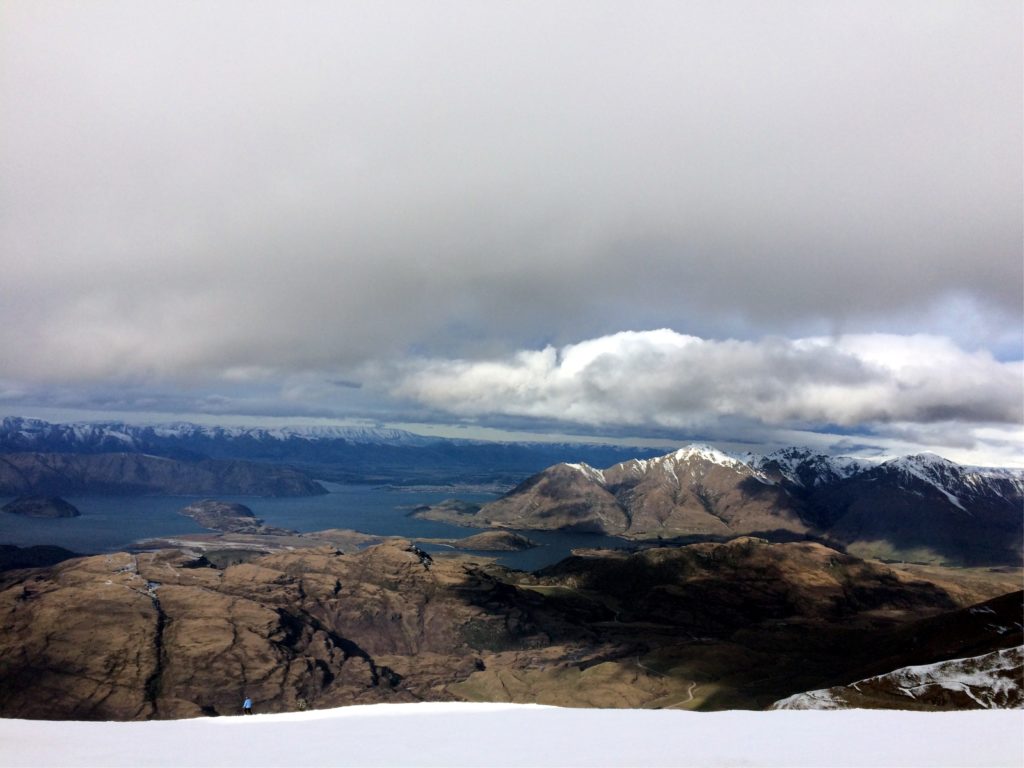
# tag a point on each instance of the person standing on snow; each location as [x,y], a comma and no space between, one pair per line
[247,706]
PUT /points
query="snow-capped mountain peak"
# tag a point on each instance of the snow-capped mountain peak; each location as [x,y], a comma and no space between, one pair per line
[706,453]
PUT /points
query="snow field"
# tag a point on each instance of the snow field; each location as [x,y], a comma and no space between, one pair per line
[444,734]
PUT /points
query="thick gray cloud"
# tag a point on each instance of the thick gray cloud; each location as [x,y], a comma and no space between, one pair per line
[232,205]
[193,187]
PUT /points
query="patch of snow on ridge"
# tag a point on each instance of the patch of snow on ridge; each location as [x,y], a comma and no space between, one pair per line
[588,471]
[825,468]
[639,466]
[987,680]
[845,466]
[712,455]
[931,469]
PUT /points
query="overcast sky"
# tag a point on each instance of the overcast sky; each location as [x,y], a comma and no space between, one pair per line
[731,221]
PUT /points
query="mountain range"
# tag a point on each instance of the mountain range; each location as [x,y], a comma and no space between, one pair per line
[20,434]
[921,507]
[340,454]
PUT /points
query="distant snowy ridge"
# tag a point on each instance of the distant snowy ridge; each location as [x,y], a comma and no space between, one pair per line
[797,464]
[956,482]
[991,681]
[789,462]
[804,468]
[352,434]
[795,468]
[35,432]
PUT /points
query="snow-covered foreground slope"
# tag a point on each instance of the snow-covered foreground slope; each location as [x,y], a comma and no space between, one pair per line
[517,735]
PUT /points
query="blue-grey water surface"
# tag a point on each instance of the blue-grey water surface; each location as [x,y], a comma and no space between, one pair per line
[112,523]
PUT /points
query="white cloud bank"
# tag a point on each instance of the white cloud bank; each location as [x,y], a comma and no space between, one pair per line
[670,380]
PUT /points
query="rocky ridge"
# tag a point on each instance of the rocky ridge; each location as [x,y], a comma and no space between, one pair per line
[163,634]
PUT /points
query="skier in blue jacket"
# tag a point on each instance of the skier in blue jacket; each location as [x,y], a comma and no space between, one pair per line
[247,706]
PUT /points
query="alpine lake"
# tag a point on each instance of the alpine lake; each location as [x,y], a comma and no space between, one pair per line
[119,523]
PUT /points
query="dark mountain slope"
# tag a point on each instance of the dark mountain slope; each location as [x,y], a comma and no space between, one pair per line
[131,473]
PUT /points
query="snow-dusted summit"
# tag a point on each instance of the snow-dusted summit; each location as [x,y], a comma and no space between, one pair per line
[805,469]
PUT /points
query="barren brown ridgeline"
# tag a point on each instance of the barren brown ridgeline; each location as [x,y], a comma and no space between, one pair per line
[739,624]
[740,582]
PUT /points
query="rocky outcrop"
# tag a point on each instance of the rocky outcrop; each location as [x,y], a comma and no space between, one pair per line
[41,506]
[132,473]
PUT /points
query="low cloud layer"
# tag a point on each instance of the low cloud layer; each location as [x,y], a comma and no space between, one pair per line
[670,380]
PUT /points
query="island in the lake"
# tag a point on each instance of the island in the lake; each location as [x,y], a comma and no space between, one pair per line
[494,541]
[228,517]
[41,506]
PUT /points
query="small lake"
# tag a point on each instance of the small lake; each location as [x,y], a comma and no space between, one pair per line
[113,523]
